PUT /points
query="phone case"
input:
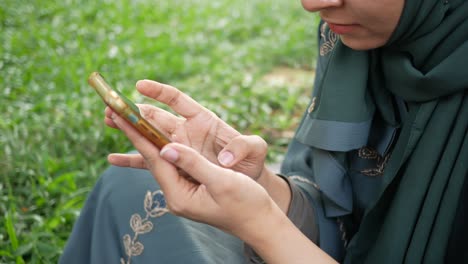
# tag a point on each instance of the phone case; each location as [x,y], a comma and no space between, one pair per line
[126,109]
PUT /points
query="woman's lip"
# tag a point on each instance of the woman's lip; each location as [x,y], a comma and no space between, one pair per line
[342,29]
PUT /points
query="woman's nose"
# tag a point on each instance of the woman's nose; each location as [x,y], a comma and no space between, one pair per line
[317,5]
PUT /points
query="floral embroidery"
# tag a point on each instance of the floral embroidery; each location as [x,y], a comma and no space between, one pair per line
[368,153]
[155,206]
[372,154]
[329,40]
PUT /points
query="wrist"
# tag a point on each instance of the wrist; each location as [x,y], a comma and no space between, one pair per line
[277,240]
[259,233]
[277,188]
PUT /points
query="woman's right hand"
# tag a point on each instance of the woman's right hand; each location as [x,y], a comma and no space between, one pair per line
[198,128]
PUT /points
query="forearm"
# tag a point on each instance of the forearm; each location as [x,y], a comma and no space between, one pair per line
[287,244]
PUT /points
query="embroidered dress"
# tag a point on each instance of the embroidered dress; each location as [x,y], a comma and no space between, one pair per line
[125,220]
[377,167]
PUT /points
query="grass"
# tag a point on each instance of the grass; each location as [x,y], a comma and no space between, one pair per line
[248,61]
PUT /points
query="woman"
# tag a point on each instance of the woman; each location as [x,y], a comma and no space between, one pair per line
[376,172]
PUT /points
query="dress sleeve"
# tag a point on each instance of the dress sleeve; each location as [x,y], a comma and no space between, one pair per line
[300,212]
[313,174]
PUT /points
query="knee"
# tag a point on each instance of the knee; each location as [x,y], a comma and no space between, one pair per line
[122,177]
[121,185]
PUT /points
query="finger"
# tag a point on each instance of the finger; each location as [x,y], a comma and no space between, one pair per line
[240,148]
[197,166]
[143,145]
[127,160]
[108,112]
[107,117]
[165,173]
[171,96]
[160,118]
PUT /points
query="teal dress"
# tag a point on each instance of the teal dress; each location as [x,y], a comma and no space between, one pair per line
[125,220]
[125,217]
[377,167]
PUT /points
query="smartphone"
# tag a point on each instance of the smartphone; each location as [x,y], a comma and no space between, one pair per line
[126,109]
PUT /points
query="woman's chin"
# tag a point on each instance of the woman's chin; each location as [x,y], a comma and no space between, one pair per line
[361,43]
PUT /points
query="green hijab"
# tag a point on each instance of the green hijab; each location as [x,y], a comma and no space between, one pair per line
[425,65]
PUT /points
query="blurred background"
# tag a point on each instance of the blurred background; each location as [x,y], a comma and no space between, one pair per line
[251,62]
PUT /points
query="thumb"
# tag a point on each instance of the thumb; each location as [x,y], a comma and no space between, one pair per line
[193,163]
[240,148]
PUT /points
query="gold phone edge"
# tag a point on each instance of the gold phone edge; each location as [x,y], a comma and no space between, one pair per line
[113,100]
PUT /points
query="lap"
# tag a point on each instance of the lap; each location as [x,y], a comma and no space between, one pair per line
[125,220]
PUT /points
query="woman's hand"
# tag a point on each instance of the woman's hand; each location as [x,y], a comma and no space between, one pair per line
[220,197]
[223,198]
[198,128]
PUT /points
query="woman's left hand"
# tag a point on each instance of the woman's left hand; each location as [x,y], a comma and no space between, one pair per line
[221,197]
[199,128]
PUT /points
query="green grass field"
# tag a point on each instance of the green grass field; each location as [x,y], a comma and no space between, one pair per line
[251,62]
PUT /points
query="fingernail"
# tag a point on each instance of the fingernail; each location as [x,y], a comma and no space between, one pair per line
[169,154]
[113,116]
[138,83]
[225,158]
